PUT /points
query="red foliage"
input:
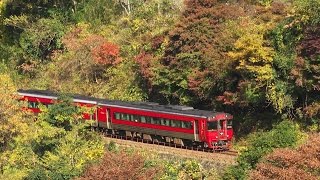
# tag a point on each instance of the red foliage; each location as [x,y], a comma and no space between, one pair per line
[310,44]
[199,27]
[195,81]
[306,71]
[144,60]
[120,166]
[100,50]
[106,54]
[198,44]
[228,98]
[303,163]
[90,55]
[297,72]
[157,42]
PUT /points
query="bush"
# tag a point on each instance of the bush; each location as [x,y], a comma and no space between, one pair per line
[284,163]
[285,134]
[112,146]
[121,166]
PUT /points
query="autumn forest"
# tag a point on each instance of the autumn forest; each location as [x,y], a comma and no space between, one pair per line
[258,60]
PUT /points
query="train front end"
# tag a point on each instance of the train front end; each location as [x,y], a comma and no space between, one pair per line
[219,131]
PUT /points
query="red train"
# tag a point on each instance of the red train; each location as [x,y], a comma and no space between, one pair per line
[182,125]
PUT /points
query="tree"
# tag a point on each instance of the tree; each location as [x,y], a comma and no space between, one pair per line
[14,124]
[64,114]
[12,121]
[56,146]
[75,152]
[106,54]
[195,59]
[303,163]
[97,12]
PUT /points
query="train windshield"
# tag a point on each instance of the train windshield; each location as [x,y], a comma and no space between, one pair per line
[214,125]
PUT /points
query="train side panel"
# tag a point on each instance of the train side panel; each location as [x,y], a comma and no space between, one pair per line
[139,125]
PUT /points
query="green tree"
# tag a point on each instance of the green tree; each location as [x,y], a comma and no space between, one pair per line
[75,152]
[63,114]
[97,12]
[42,38]
[56,146]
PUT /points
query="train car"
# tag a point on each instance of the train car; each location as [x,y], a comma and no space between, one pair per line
[35,98]
[181,125]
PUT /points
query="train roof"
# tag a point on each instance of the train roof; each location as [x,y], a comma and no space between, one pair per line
[149,106]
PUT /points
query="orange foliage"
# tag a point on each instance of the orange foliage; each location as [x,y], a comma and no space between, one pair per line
[106,54]
[93,46]
[120,166]
[303,163]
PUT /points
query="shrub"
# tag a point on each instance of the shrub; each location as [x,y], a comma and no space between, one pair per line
[290,164]
[285,134]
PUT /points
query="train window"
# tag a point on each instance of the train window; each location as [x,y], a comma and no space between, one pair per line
[131,118]
[156,121]
[136,118]
[33,104]
[186,125]
[143,119]
[117,115]
[153,120]
[175,123]
[165,122]
[220,124]
[125,116]
[212,125]
[148,119]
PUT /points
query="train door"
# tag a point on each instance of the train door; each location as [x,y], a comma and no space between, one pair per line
[108,118]
[102,117]
[222,129]
[196,130]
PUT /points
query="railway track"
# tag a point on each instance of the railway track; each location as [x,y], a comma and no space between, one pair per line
[174,149]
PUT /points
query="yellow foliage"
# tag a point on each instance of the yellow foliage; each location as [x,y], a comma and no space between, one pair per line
[2,3]
[253,55]
[11,122]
